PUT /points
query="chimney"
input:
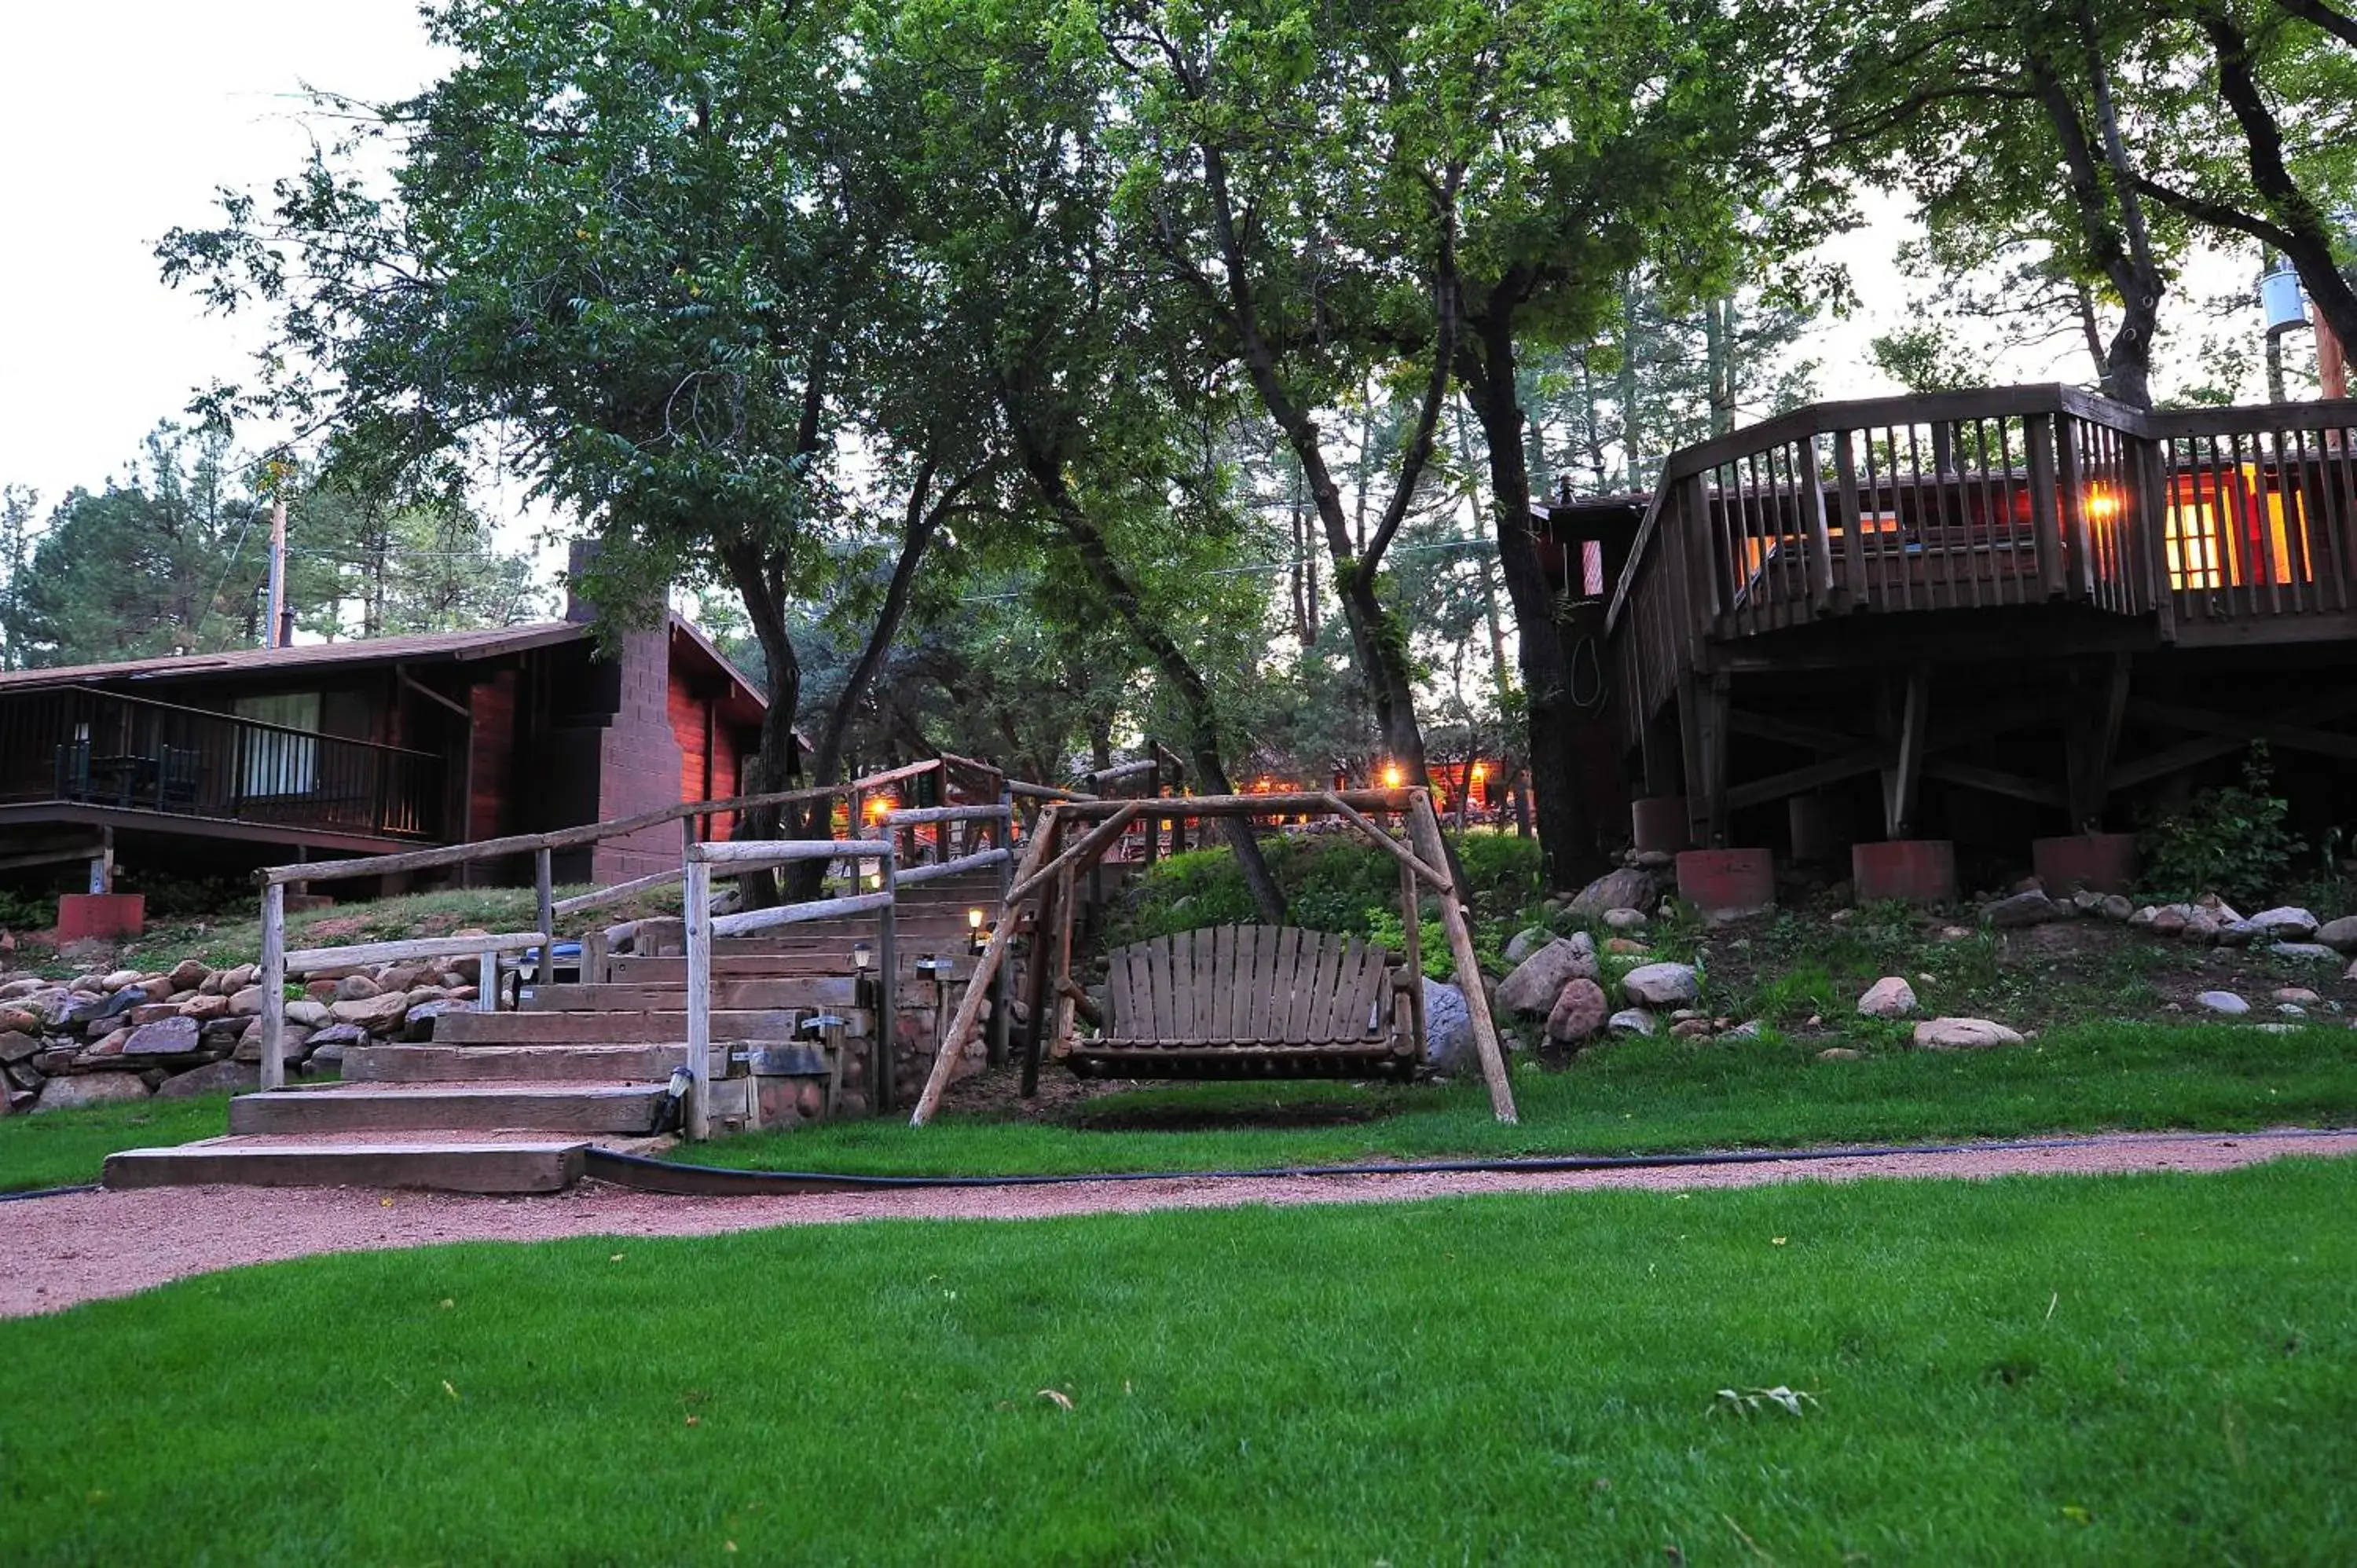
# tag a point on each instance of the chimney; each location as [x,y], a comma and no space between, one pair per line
[578,557]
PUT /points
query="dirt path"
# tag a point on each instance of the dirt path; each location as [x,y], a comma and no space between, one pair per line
[83,1246]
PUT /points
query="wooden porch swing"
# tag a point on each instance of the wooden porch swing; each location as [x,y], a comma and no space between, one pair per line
[1236,1002]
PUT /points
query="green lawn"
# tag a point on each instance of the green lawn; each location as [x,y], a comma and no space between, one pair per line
[64,1148]
[1644,1097]
[2146,1369]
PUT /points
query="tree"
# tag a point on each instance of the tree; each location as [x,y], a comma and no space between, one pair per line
[646,254]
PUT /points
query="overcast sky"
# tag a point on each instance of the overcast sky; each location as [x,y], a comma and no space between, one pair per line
[120,121]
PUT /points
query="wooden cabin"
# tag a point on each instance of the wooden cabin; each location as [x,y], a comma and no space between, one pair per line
[216,763]
[1987,616]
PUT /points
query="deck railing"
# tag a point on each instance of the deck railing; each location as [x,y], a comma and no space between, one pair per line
[2015,496]
[83,746]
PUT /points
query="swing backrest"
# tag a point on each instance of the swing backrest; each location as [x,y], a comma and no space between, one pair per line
[1249,985]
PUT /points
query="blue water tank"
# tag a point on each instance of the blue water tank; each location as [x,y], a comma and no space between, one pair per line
[2280,299]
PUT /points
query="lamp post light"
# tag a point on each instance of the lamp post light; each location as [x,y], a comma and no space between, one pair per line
[828,1028]
[937,969]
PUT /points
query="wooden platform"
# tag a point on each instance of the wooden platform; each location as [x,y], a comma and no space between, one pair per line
[488,1166]
[487,1105]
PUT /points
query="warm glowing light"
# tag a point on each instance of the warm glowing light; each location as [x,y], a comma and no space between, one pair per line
[1391,776]
[1480,771]
[2102,503]
[879,808]
[973,919]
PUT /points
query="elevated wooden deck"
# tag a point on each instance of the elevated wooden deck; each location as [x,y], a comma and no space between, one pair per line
[2024,529]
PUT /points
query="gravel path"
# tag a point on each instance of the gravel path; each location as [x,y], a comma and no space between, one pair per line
[83,1246]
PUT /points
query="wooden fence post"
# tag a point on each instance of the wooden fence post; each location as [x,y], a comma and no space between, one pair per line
[274,985]
[697,917]
[543,884]
[887,985]
[1424,830]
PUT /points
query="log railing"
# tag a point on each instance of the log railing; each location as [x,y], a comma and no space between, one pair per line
[1981,500]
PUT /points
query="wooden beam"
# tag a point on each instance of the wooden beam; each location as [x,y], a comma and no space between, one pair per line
[952,1040]
[696,905]
[747,853]
[1084,853]
[1815,776]
[981,860]
[1424,826]
[617,891]
[309,958]
[1902,781]
[797,914]
[1287,802]
[1996,781]
[274,986]
[2243,728]
[1407,857]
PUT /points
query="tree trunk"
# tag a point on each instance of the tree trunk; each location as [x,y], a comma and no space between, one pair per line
[776,763]
[1566,837]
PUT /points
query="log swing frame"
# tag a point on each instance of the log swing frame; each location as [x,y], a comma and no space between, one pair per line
[1039,897]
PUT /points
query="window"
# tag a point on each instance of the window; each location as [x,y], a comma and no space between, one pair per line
[275,763]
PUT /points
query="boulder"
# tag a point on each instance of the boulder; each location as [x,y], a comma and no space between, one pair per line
[203,1008]
[2340,935]
[15,1045]
[116,978]
[155,987]
[1626,919]
[319,988]
[1662,985]
[2286,923]
[2306,952]
[236,979]
[2030,908]
[149,1012]
[1539,979]
[417,1023]
[91,1009]
[164,1037]
[24,1020]
[399,976]
[210,1079]
[378,1014]
[2114,907]
[1963,1035]
[2300,995]
[1631,1021]
[2237,934]
[109,1044]
[2201,927]
[1890,997]
[246,1003]
[23,985]
[310,1015]
[338,1036]
[188,974]
[1626,888]
[90,1088]
[2170,920]
[1527,941]
[325,1059]
[2224,1003]
[2144,918]
[1579,1011]
[1841,1053]
[1447,1025]
[356,988]
[1690,1029]
[1625,947]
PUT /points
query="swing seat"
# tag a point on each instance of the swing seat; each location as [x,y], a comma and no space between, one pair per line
[1256,1002]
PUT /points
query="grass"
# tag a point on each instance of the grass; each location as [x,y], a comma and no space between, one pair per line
[1641,1097]
[2148,1369]
[66,1148]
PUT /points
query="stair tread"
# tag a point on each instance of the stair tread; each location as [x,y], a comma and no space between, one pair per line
[505,1087]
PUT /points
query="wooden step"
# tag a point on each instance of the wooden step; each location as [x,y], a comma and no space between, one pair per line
[523,1107]
[648,1028]
[473,1166]
[673,972]
[555,1063]
[734,994]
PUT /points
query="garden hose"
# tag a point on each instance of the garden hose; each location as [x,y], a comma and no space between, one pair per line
[49,1192]
[642,1173]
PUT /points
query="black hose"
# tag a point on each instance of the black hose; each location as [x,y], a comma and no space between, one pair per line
[49,1192]
[643,1174]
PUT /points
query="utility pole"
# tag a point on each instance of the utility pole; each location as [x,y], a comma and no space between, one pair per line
[274,633]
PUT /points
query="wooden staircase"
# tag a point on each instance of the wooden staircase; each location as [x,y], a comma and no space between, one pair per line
[506,1101]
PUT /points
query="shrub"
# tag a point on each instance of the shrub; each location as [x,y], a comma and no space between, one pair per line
[2230,839]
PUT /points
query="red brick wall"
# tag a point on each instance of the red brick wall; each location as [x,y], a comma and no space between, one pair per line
[688,711]
[638,762]
[494,705]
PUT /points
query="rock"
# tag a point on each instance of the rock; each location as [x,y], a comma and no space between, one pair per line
[1663,984]
[2340,935]
[1627,919]
[2237,934]
[246,1003]
[1539,979]
[24,987]
[356,988]
[188,974]
[2299,995]
[1447,1026]
[1963,1035]
[375,1013]
[2286,923]
[2201,927]
[319,988]
[210,1079]
[164,1037]
[211,985]
[2222,1002]
[149,1012]
[55,1059]
[340,1036]
[2114,907]
[1626,947]
[1841,1053]
[1690,1029]
[310,1015]
[399,976]
[1579,1011]
[90,1088]
[1626,888]
[1631,1021]
[417,1023]
[2351,974]
[2144,917]
[203,1008]
[2030,908]
[15,1045]
[2087,901]
[2291,1010]
[116,978]
[1750,1029]
[237,979]
[91,1009]
[2170,921]
[1527,941]
[2306,952]
[1653,859]
[325,1059]
[1890,997]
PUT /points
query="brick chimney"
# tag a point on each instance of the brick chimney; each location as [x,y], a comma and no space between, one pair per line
[577,556]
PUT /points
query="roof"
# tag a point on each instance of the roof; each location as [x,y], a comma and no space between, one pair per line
[425,647]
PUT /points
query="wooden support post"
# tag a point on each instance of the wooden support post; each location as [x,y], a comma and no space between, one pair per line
[2045,504]
[487,981]
[951,1042]
[1424,827]
[1035,986]
[1000,1021]
[1852,518]
[1808,471]
[543,887]
[1903,782]
[697,909]
[1059,982]
[274,986]
[887,985]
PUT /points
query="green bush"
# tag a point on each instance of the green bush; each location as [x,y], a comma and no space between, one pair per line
[2230,841]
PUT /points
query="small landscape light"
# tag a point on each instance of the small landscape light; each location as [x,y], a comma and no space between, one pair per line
[862,956]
